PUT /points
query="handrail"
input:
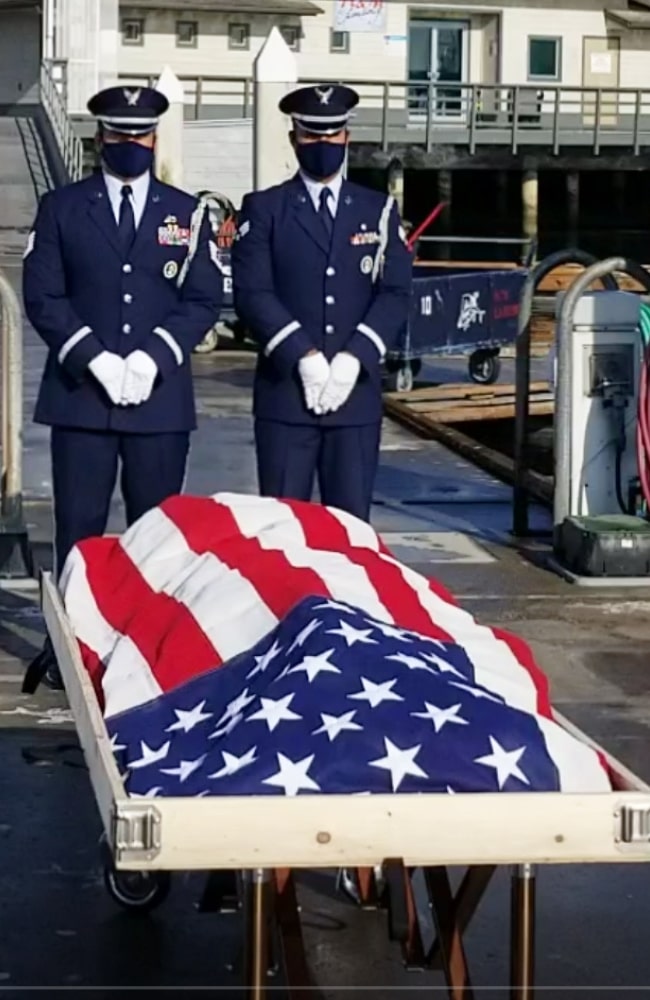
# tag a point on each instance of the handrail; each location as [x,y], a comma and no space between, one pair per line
[510,115]
[15,558]
[68,142]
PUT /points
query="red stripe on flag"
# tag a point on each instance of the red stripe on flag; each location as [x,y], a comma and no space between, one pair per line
[523,654]
[165,632]
[208,526]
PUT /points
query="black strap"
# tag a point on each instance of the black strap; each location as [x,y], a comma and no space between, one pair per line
[41,666]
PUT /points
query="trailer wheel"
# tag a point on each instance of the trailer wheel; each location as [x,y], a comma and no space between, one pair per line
[484,367]
[142,891]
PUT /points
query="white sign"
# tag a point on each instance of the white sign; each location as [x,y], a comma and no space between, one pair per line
[359,15]
[600,62]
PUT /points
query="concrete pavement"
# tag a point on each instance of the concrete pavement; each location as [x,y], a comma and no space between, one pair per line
[443,517]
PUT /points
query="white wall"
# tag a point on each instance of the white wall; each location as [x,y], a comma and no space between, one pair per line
[383,55]
[218,156]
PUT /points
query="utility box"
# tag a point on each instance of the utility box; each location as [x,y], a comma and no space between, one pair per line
[606,352]
[614,545]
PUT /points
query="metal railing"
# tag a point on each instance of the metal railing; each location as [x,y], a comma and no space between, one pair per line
[68,142]
[15,558]
[422,113]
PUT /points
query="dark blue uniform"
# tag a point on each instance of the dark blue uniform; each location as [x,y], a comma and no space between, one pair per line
[297,289]
[85,294]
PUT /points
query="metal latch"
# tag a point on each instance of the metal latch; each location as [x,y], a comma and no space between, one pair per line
[136,833]
[632,826]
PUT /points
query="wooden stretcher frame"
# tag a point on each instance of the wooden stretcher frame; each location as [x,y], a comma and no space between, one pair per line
[426,833]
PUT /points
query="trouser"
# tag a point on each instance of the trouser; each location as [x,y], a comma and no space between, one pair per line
[290,457]
[84,474]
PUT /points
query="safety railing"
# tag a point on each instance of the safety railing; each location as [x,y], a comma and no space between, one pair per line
[15,558]
[423,113]
[68,142]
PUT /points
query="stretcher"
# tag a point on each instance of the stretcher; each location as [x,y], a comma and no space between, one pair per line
[395,849]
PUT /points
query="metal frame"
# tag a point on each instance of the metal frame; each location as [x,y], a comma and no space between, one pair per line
[521,497]
[15,557]
[535,115]
[403,834]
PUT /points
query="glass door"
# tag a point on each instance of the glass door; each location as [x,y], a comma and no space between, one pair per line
[438,56]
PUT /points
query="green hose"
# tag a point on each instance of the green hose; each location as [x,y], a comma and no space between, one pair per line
[644,322]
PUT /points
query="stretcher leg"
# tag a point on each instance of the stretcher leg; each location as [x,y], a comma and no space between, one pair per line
[522,931]
[466,902]
[292,958]
[257,891]
[452,951]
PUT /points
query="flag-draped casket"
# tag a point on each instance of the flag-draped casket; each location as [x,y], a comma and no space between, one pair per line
[244,645]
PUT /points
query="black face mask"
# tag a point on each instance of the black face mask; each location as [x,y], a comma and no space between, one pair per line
[320,159]
[127,159]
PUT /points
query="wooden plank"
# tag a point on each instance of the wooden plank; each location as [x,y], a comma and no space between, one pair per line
[465,414]
[465,390]
[483,403]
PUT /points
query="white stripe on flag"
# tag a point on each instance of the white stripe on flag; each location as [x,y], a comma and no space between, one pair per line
[579,768]
[277,528]
[225,605]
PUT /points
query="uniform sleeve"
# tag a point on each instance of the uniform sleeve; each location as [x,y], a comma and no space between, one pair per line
[171,343]
[387,316]
[280,336]
[45,296]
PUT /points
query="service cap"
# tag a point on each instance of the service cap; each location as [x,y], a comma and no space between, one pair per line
[129,110]
[322,110]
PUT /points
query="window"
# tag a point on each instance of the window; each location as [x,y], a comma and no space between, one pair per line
[187,33]
[132,31]
[544,58]
[239,36]
[339,41]
[291,35]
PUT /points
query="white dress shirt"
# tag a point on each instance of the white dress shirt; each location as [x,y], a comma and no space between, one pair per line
[315,187]
[138,197]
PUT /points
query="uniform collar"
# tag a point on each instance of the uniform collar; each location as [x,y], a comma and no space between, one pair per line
[315,187]
[139,186]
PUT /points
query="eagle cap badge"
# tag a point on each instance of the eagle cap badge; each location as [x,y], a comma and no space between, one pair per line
[324,94]
[132,96]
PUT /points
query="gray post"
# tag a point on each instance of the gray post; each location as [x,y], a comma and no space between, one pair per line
[169,134]
[275,73]
[14,551]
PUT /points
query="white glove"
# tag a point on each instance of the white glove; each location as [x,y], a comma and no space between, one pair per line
[139,377]
[108,369]
[314,371]
[344,372]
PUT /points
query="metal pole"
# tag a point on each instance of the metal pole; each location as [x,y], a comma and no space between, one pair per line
[562,417]
[257,933]
[522,933]
[520,498]
[14,551]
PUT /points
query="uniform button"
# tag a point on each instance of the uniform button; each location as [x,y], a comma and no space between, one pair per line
[127,268]
[126,328]
[128,298]
[329,328]
[330,272]
[330,300]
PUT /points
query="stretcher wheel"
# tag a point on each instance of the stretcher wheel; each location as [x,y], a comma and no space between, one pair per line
[142,891]
[484,367]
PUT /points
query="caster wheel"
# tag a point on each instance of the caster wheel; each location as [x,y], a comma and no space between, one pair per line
[209,342]
[484,367]
[142,891]
[404,379]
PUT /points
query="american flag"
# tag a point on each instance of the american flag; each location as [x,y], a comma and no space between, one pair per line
[243,645]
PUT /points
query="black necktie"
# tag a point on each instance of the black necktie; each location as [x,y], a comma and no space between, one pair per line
[325,213]
[126,224]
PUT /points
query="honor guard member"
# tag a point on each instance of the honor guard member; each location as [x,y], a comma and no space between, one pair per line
[121,280]
[322,279]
